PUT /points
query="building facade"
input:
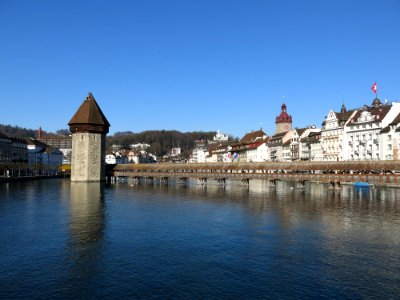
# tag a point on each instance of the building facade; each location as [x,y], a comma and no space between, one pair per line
[333,134]
[365,126]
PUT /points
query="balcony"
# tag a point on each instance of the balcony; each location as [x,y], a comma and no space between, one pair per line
[350,142]
[376,141]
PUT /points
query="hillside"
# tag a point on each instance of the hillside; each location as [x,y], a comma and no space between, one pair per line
[160,141]
[16,131]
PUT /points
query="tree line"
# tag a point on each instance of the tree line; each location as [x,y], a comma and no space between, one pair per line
[161,141]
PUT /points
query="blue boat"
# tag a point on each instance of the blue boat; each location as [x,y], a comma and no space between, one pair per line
[361,184]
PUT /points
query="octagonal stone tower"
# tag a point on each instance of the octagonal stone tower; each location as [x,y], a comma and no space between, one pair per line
[89,127]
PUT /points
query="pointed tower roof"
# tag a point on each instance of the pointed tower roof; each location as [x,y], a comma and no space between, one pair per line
[89,118]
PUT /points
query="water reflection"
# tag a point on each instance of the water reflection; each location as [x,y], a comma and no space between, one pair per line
[87,224]
[70,240]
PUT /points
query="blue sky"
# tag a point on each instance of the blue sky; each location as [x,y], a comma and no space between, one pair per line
[195,65]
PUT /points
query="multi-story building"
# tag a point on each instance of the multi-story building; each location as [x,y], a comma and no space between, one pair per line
[314,143]
[19,150]
[247,148]
[220,137]
[5,148]
[199,152]
[365,126]
[218,153]
[333,134]
[389,140]
[13,149]
[286,150]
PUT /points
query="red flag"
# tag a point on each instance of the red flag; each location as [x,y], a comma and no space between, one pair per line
[374,88]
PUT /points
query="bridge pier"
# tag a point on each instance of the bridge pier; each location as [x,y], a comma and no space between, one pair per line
[202,181]
[134,180]
[164,181]
[221,181]
[246,182]
[150,180]
[182,180]
[334,185]
[272,183]
[301,184]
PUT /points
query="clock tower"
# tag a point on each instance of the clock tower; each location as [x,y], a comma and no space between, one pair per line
[283,121]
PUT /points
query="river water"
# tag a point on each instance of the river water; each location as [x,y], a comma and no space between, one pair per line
[76,240]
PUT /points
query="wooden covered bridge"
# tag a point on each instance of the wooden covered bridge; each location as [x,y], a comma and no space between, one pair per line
[334,173]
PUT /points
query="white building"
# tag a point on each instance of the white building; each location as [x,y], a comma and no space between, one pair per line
[116,158]
[220,137]
[365,126]
[333,134]
[175,151]
[314,142]
[252,147]
[140,146]
[389,140]
[199,152]
[279,146]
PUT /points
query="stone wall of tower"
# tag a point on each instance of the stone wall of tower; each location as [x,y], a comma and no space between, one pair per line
[88,154]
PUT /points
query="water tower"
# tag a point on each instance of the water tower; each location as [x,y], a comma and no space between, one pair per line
[89,127]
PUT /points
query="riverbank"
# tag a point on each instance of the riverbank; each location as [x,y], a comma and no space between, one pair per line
[28,178]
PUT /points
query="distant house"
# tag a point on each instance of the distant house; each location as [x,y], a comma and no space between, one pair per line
[219,137]
[140,146]
[298,143]
[118,157]
[246,150]
[110,159]
[62,143]
[199,152]
[175,151]
[311,147]
[219,153]
[275,145]
[133,157]
[44,155]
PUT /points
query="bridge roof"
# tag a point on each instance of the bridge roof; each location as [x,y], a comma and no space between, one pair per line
[293,166]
